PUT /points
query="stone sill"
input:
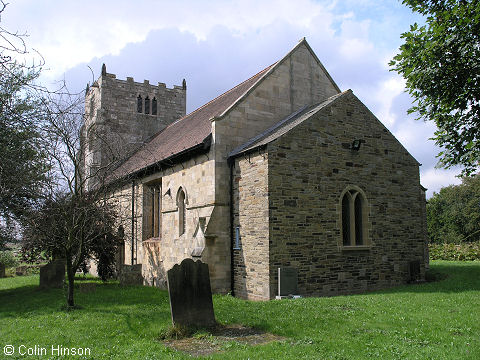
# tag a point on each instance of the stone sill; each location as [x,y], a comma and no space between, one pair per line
[356,248]
[152,240]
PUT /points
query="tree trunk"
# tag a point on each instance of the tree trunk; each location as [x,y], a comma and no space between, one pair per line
[71,280]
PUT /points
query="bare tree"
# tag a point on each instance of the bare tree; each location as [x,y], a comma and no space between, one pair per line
[42,182]
[75,223]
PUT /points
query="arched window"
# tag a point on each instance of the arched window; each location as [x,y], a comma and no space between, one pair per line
[353,218]
[139,104]
[181,212]
[154,106]
[147,105]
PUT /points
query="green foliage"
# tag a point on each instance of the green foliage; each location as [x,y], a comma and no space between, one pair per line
[435,320]
[175,332]
[105,253]
[455,252]
[75,228]
[24,168]
[8,259]
[441,64]
[453,214]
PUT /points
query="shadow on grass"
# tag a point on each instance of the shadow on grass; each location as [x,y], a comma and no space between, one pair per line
[451,277]
[110,297]
[100,297]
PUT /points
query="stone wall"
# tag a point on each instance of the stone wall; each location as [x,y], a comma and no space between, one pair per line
[296,188]
[206,225]
[114,128]
[309,168]
[298,80]
[130,275]
[250,204]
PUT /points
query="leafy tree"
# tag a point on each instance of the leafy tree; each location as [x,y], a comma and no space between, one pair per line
[23,161]
[441,64]
[453,214]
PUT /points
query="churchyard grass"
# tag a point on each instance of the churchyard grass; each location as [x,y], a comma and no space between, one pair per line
[436,320]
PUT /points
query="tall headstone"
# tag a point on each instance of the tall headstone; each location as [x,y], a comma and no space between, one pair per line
[52,275]
[190,294]
[287,281]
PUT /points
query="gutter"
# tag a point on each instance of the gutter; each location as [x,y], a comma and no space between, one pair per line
[168,162]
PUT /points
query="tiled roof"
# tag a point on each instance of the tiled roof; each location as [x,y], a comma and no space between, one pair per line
[284,125]
[185,133]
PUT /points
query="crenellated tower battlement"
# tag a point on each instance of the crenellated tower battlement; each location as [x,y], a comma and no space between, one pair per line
[121,115]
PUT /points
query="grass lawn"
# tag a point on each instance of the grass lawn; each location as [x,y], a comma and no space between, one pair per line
[438,320]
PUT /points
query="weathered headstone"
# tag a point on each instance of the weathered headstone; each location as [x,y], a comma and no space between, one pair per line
[190,294]
[52,275]
[130,275]
[2,270]
[287,281]
[21,270]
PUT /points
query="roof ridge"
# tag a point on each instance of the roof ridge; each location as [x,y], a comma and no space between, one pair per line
[205,105]
[272,68]
[221,95]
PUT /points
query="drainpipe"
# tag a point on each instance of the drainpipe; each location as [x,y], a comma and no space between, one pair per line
[133,218]
[232,277]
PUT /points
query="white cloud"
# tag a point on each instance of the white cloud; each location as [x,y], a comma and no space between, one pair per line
[216,44]
[71,32]
[434,179]
[386,92]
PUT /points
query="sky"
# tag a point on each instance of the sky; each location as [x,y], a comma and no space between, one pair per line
[217,44]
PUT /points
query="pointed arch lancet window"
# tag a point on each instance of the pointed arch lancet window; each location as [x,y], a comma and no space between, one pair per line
[358,220]
[154,106]
[353,218]
[147,105]
[346,219]
[181,212]
[139,104]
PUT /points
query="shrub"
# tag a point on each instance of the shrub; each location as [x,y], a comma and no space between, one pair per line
[462,252]
[8,259]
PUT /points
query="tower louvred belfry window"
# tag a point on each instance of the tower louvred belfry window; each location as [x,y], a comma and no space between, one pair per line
[147,105]
[154,106]
[139,104]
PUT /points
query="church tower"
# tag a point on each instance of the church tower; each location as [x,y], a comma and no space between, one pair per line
[120,116]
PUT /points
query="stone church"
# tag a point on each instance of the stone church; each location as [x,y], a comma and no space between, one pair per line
[284,170]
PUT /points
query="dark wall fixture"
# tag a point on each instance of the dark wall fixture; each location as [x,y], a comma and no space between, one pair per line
[356,144]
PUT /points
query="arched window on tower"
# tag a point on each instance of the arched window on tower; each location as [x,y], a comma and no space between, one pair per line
[181,212]
[154,106]
[354,218]
[147,105]
[139,104]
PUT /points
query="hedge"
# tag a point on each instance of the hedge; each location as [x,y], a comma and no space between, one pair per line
[462,252]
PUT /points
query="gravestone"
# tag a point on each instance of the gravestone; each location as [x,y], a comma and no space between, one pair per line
[21,270]
[2,270]
[130,275]
[287,281]
[52,275]
[190,294]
